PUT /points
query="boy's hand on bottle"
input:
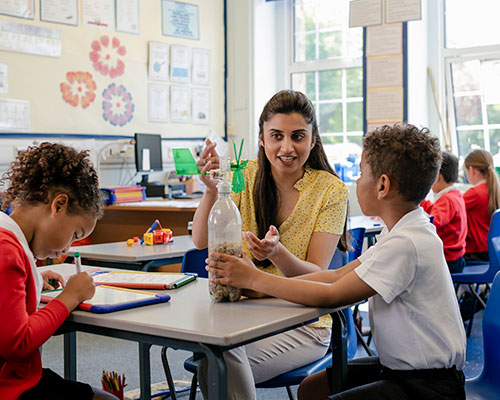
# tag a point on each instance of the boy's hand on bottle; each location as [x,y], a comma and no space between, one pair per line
[80,287]
[230,270]
[265,248]
[209,160]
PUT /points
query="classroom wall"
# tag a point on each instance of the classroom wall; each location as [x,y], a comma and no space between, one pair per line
[38,78]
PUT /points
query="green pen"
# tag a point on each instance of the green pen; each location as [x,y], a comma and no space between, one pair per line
[184,280]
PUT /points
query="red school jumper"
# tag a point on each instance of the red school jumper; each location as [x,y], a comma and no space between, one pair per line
[24,329]
[478,218]
[450,219]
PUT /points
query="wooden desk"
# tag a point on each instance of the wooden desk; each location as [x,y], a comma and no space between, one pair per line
[124,221]
[192,321]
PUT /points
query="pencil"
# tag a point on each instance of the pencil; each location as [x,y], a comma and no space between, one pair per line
[151,228]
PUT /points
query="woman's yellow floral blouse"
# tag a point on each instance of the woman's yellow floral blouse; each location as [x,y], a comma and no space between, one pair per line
[321,207]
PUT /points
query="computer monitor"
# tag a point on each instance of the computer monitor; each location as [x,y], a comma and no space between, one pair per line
[147,154]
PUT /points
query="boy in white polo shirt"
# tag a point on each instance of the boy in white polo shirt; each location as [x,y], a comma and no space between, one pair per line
[414,315]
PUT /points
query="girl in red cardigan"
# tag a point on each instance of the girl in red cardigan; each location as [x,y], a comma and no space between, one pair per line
[480,202]
[54,195]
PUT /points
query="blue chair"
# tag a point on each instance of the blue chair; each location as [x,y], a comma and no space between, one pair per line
[487,385]
[482,273]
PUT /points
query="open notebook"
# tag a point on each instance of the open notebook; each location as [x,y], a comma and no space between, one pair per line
[108,299]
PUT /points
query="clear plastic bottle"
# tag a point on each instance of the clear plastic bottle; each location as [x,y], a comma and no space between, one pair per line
[224,230]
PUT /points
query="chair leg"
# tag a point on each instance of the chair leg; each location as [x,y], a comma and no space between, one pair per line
[194,384]
[168,373]
[359,335]
[290,394]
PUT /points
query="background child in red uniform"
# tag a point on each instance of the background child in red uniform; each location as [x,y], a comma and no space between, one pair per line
[448,210]
[480,202]
[54,195]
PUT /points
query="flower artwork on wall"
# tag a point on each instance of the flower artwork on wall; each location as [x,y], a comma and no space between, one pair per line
[117,105]
[79,89]
[106,56]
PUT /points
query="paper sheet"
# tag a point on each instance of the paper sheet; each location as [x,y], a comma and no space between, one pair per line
[384,105]
[365,13]
[59,11]
[158,61]
[383,40]
[200,67]
[157,103]
[179,104]
[385,71]
[179,59]
[200,99]
[98,13]
[402,10]
[127,16]
[14,114]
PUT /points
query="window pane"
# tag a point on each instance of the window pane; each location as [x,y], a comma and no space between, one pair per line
[305,47]
[330,84]
[358,139]
[330,117]
[332,139]
[330,44]
[354,45]
[494,141]
[332,13]
[493,113]
[469,140]
[304,18]
[354,82]
[354,116]
[305,82]
[471,23]
[466,76]
[468,110]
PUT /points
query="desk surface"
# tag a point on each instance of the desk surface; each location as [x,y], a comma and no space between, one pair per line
[192,316]
[371,224]
[119,251]
[158,205]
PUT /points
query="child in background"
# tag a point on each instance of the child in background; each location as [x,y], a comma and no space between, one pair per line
[448,210]
[415,320]
[480,202]
[54,195]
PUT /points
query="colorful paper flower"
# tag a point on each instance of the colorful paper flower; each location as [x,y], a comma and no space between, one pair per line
[106,58]
[117,105]
[79,89]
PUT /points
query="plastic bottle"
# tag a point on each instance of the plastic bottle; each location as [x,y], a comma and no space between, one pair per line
[224,230]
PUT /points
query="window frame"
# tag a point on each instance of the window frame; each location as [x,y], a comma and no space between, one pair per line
[321,65]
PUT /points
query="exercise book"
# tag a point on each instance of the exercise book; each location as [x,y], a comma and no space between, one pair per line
[143,280]
[108,299]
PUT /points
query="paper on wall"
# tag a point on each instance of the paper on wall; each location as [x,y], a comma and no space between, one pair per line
[384,40]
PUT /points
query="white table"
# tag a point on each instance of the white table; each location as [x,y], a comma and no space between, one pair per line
[373,226]
[118,253]
[192,321]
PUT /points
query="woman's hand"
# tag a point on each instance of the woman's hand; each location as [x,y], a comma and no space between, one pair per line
[265,248]
[209,160]
[51,280]
[230,270]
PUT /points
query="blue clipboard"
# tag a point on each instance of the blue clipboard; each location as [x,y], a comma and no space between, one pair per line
[109,299]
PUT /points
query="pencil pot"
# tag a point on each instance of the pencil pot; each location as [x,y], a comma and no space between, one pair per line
[224,236]
[118,393]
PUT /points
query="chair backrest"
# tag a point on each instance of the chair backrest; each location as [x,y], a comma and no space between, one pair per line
[494,245]
[341,258]
[194,261]
[491,334]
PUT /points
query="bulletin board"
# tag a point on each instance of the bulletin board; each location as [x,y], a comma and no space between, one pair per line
[95,78]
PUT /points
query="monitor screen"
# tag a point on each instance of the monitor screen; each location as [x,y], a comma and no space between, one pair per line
[148,152]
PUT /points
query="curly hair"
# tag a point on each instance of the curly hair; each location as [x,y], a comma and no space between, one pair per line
[42,171]
[411,157]
[265,192]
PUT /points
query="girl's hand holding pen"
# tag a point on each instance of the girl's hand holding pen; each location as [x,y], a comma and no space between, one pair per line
[79,287]
[230,270]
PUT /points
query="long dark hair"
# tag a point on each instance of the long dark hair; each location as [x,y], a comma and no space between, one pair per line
[265,193]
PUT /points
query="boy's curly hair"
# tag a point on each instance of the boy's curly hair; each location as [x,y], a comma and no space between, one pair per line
[411,157]
[41,171]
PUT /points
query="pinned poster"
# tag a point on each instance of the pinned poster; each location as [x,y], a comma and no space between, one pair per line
[402,10]
[200,105]
[98,13]
[384,104]
[365,13]
[157,103]
[179,104]
[158,61]
[200,67]
[179,58]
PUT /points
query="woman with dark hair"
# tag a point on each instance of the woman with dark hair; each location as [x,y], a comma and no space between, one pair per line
[293,214]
